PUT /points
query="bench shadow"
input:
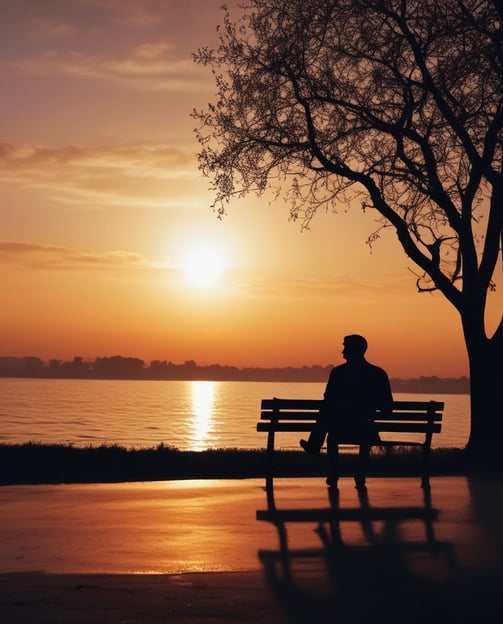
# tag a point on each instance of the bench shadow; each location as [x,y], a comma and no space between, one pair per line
[367,562]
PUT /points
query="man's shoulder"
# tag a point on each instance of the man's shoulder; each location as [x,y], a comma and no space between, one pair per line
[346,368]
[340,368]
[375,367]
[377,373]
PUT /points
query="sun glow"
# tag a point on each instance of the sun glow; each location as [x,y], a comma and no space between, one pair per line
[203,268]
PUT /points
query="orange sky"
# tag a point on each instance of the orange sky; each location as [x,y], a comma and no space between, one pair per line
[102,209]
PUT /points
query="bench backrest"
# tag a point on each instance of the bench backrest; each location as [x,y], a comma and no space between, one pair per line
[406,416]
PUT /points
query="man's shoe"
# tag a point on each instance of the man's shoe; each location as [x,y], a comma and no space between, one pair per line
[309,448]
[360,483]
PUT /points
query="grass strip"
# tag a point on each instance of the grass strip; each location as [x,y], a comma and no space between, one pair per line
[36,463]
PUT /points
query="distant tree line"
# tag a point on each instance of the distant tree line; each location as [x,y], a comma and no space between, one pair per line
[120,367]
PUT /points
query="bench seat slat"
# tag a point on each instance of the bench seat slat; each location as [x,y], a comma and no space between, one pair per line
[400,443]
[382,427]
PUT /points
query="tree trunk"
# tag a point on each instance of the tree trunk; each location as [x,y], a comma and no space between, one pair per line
[486,392]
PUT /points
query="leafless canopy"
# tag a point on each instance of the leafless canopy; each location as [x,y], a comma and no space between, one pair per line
[396,102]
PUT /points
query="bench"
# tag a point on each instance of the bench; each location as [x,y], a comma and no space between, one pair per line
[416,421]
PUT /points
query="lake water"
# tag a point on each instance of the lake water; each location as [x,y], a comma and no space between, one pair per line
[190,415]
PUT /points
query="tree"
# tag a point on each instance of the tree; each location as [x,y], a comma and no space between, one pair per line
[396,104]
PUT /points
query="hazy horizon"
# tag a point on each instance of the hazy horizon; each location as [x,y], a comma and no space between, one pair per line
[188,364]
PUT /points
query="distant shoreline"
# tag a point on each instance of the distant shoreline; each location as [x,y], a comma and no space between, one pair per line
[422,385]
[130,369]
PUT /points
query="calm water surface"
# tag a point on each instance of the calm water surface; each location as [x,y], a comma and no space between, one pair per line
[190,415]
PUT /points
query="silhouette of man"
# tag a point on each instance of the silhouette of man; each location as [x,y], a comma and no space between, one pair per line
[353,393]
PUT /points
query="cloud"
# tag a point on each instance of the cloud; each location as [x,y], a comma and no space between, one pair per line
[149,66]
[143,45]
[136,174]
[338,286]
[53,257]
[85,17]
[37,257]
[53,28]
[132,13]
[156,160]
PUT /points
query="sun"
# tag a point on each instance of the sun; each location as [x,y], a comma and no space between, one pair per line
[203,268]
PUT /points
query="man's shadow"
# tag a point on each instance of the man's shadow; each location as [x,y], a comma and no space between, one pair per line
[347,579]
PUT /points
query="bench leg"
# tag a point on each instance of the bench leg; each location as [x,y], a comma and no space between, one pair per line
[269,468]
[425,474]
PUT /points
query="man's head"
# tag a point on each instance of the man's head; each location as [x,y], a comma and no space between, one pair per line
[354,347]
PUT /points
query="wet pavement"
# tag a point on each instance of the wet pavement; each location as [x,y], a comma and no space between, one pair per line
[392,553]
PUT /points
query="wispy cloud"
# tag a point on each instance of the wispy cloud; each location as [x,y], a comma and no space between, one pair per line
[143,45]
[139,175]
[340,286]
[52,27]
[87,18]
[36,257]
[131,13]
[53,257]
[138,70]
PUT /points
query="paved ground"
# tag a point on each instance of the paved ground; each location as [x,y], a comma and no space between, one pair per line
[194,551]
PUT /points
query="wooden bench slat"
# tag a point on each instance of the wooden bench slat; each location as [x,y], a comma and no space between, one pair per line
[400,443]
[286,427]
[394,416]
[315,404]
[419,405]
[409,416]
[285,414]
[402,427]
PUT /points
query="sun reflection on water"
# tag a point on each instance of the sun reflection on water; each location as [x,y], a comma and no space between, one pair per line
[203,407]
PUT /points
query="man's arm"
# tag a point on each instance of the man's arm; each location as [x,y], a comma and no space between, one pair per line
[385,391]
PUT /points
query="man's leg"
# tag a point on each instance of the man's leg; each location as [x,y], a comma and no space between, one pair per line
[317,436]
[333,460]
[361,469]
